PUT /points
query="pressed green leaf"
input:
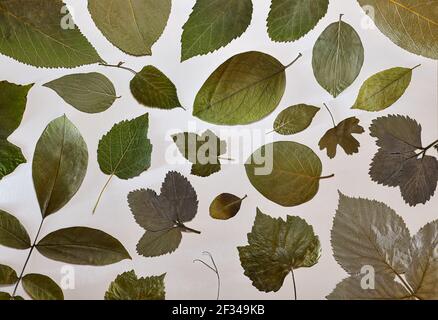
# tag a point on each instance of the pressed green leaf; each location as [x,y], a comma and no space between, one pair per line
[213,24]
[12,232]
[289,20]
[41,287]
[225,206]
[5,296]
[133,26]
[59,165]
[87,92]
[40,33]
[245,89]
[295,119]
[82,246]
[412,25]
[128,287]
[383,89]
[287,173]
[369,233]
[11,157]
[152,88]
[202,151]
[277,248]
[422,274]
[338,57]
[154,244]
[8,276]
[342,135]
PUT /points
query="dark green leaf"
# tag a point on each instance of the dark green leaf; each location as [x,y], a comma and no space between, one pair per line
[225,206]
[82,246]
[132,26]
[338,57]
[342,135]
[295,119]
[40,33]
[152,88]
[87,92]
[59,165]
[277,247]
[12,232]
[213,24]
[5,296]
[154,244]
[8,276]
[40,287]
[289,20]
[11,157]
[128,287]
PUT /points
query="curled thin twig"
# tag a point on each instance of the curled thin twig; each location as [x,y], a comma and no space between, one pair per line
[213,268]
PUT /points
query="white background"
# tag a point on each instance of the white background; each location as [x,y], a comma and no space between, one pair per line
[186,280]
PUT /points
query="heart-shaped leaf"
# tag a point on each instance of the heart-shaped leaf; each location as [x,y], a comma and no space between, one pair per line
[87,92]
[338,57]
[59,165]
[128,287]
[295,119]
[41,287]
[12,232]
[8,276]
[225,206]
[82,246]
[132,26]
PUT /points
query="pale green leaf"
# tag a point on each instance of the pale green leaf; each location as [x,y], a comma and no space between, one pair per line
[295,119]
[12,232]
[8,276]
[128,287]
[41,287]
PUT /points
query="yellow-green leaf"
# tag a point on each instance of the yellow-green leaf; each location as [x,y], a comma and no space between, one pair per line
[295,119]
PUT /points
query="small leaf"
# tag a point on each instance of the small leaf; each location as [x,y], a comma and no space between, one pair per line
[131,26]
[40,287]
[12,233]
[128,287]
[285,172]
[276,248]
[11,157]
[225,206]
[338,57]
[82,246]
[87,92]
[155,244]
[245,89]
[41,33]
[342,135]
[214,24]
[383,89]
[202,151]
[8,276]
[290,20]
[295,119]
[59,165]
[152,88]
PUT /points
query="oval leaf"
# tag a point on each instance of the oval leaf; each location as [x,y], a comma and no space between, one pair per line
[295,119]
[338,57]
[4,296]
[152,88]
[155,244]
[82,246]
[88,92]
[226,20]
[244,89]
[132,26]
[225,206]
[12,233]
[42,33]
[40,287]
[287,173]
[412,25]
[289,20]
[59,165]
[383,89]
[8,276]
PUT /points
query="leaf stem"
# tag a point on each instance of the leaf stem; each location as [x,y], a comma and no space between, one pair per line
[294,283]
[296,59]
[327,177]
[27,259]
[101,193]
[214,269]
[119,66]
[424,150]
[417,66]
[331,115]
[187,229]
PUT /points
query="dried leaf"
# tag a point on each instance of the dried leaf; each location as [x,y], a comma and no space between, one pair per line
[295,119]
[12,233]
[8,276]
[128,287]
[41,287]
[225,206]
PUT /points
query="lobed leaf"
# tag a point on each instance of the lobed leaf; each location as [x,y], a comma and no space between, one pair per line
[128,287]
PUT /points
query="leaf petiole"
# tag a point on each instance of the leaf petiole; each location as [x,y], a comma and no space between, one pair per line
[294,283]
[331,115]
[327,177]
[187,229]
[101,193]
[296,59]
[119,66]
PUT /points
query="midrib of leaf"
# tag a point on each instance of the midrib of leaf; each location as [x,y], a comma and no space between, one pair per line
[396,3]
[131,7]
[82,246]
[338,49]
[91,91]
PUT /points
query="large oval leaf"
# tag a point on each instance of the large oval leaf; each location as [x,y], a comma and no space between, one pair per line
[244,89]
[8,276]
[12,232]
[59,165]
[338,57]
[133,26]
[412,25]
[87,92]
[287,173]
[289,20]
[41,287]
[82,246]
[295,119]
[42,34]
[213,24]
